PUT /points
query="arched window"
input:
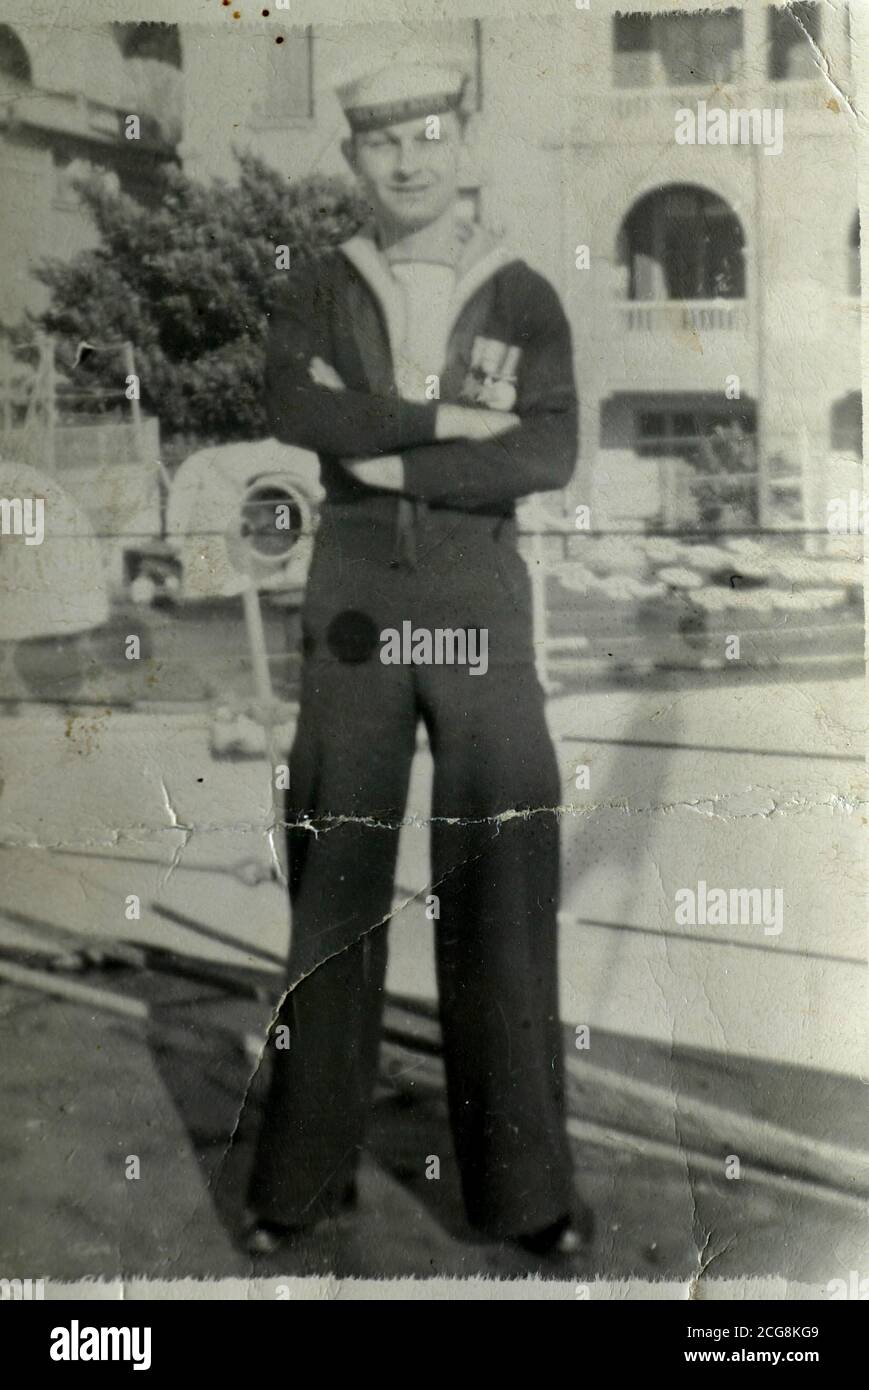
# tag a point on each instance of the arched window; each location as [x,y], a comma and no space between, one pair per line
[682,242]
[854,258]
[150,39]
[15,69]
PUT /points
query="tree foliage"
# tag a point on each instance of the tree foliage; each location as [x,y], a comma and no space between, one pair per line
[188,283]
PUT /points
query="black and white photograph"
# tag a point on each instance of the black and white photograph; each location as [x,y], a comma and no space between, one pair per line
[432,651]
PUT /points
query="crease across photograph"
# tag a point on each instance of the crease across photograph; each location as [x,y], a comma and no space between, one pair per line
[432,651]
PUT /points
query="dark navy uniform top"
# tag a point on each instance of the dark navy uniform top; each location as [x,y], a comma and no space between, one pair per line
[342,308]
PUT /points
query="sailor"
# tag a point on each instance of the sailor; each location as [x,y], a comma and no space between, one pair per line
[432,372]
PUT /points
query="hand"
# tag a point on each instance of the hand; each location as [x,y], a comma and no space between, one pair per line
[471,422]
[498,395]
[386,472]
[322,374]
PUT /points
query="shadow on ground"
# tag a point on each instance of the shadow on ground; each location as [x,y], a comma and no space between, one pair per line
[87,1091]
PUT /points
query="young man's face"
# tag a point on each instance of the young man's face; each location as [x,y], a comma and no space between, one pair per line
[409,178]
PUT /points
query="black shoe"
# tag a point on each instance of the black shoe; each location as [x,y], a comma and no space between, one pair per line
[568,1236]
[266,1237]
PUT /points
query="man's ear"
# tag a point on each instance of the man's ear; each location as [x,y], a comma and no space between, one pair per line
[348,149]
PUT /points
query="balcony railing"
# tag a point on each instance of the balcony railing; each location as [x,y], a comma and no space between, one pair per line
[652,109]
[697,315]
[72,113]
[805,93]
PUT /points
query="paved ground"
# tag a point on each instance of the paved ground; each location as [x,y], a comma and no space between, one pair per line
[85,1092]
[705,1041]
[757,785]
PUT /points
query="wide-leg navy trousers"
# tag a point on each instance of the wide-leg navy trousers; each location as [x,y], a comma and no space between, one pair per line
[494,868]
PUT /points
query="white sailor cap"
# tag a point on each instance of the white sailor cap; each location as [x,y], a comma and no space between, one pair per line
[401,92]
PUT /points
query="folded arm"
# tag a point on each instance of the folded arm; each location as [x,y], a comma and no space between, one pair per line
[301,411]
[309,406]
[536,453]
